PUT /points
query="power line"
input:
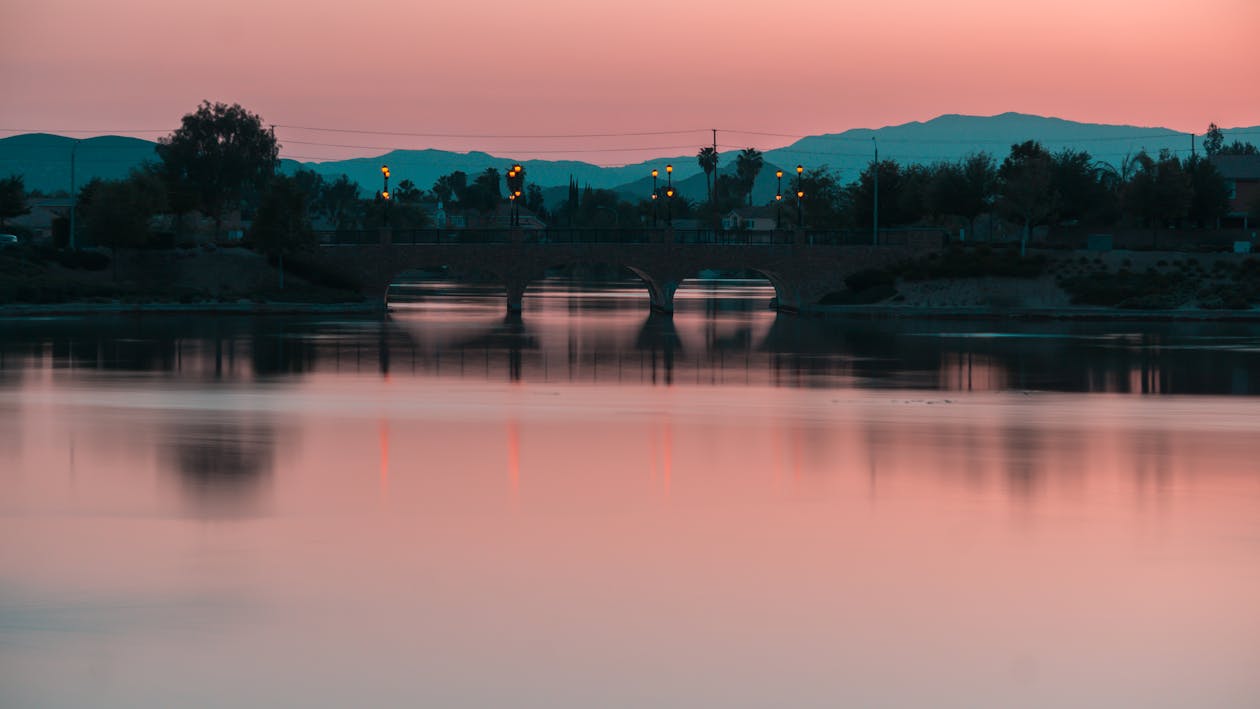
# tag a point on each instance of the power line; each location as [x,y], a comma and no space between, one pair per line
[555,136]
[517,150]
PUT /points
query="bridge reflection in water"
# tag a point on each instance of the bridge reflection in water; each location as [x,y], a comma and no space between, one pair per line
[574,334]
[802,266]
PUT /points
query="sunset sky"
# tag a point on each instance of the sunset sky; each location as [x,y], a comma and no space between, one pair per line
[577,67]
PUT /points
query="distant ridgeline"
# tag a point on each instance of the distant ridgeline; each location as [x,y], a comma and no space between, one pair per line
[44,160]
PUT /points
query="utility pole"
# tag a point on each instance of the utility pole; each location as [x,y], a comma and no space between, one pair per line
[74,196]
[875,231]
[1193,154]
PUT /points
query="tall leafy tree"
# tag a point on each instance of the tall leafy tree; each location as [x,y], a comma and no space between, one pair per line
[12,198]
[1210,193]
[283,223]
[534,201]
[485,192]
[339,201]
[224,153]
[891,203]
[825,203]
[965,189]
[1214,140]
[1027,187]
[118,213]
[1159,192]
[408,193]
[747,164]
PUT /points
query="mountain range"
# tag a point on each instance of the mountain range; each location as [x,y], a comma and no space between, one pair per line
[44,159]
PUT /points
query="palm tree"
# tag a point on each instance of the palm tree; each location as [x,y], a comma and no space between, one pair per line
[708,159]
[747,165]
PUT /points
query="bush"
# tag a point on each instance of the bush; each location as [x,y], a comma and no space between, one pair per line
[870,278]
[83,260]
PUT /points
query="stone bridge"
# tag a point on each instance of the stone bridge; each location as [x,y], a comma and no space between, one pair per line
[802,267]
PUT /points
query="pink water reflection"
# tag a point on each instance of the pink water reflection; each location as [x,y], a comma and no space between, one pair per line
[437,541]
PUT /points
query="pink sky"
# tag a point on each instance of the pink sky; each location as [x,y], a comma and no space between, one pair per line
[578,67]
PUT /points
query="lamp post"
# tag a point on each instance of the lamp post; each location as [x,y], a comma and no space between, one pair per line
[800,194]
[669,194]
[385,191]
[778,200]
[654,174]
[516,192]
[515,183]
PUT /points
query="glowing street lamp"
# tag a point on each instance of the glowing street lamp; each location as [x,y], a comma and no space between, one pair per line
[778,199]
[669,206]
[515,183]
[654,196]
[800,173]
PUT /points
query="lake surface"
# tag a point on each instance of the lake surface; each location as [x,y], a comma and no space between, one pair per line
[590,506]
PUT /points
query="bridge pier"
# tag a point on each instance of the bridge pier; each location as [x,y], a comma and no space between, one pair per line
[515,295]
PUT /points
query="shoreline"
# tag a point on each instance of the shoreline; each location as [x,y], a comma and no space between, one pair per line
[876,312]
[17,310]
[865,312]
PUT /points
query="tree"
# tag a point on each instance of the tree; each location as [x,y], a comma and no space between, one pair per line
[484,193]
[12,198]
[1239,148]
[1027,187]
[534,201]
[964,189]
[891,185]
[747,164]
[1214,140]
[283,223]
[407,193]
[1159,191]
[1210,192]
[224,154]
[1081,194]
[825,204]
[708,159]
[339,201]
[117,213]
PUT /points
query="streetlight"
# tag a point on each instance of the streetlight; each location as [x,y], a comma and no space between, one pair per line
[669,192]
[385,191]
[800,193]
[778,200]
[654,174]
[515,183]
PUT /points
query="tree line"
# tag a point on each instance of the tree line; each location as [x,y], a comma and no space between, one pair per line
[224,158]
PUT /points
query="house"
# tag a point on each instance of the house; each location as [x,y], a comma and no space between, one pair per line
[43,212]
[1242,175]
[751,219]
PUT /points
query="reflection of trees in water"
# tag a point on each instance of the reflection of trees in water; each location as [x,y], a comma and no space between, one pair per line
[1216,358]
[221,465]
[659,337]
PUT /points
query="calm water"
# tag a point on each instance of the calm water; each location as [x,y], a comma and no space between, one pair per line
[590,507]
